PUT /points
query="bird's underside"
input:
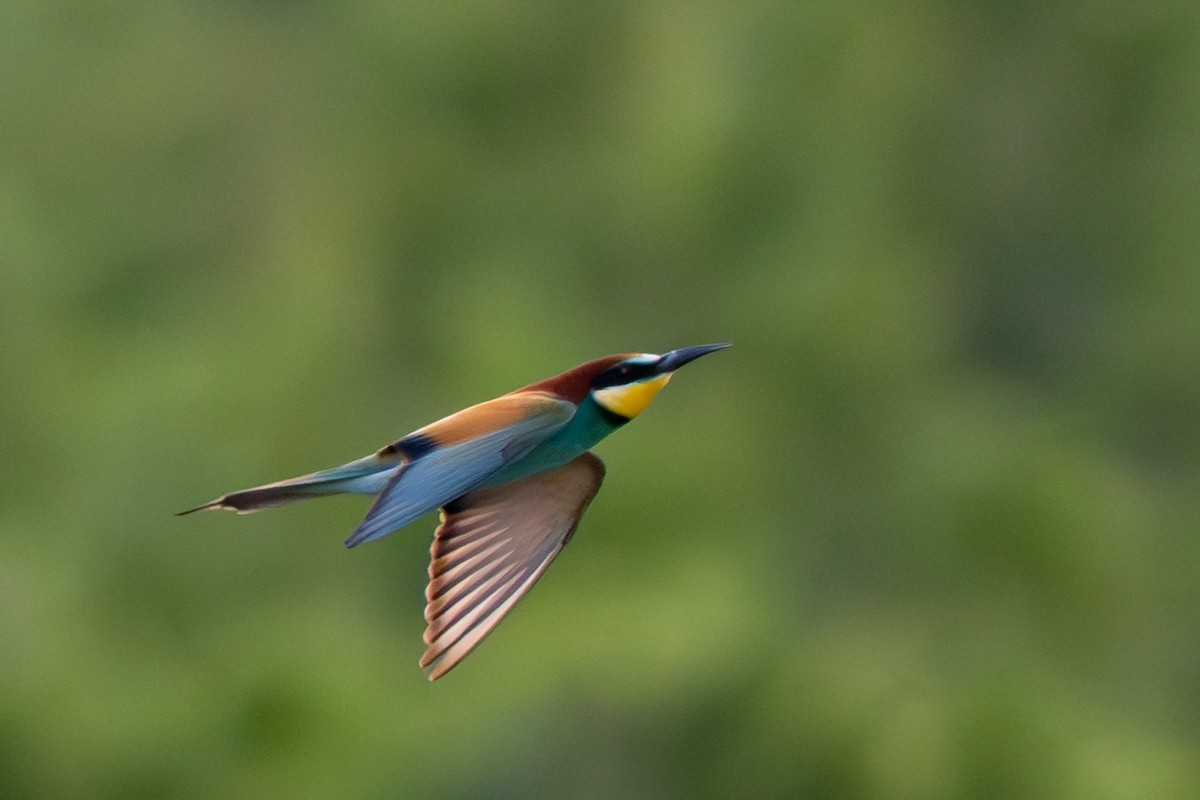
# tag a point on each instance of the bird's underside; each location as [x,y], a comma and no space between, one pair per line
[491,547]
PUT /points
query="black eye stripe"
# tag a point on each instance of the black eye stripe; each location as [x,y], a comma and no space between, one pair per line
[625,372]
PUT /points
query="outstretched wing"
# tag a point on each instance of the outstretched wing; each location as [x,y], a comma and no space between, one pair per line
[457,454]
[493,544]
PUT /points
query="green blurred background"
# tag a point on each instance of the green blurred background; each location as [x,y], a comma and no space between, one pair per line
[927,531]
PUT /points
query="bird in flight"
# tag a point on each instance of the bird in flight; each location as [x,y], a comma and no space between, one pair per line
[512,477]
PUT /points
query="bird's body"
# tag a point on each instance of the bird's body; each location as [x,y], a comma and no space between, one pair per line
[586,427]
[512,476]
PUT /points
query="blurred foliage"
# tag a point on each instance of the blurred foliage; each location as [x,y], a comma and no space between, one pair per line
[927,530]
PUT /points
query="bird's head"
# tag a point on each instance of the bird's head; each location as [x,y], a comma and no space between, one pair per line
[626,386]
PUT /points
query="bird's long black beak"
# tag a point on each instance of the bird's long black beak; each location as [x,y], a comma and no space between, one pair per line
[677,358]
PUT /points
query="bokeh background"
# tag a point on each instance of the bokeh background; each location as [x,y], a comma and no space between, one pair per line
[929,529]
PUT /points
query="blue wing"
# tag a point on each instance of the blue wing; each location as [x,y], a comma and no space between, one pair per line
[464,450]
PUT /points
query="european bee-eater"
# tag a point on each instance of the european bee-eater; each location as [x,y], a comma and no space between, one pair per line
[512,476]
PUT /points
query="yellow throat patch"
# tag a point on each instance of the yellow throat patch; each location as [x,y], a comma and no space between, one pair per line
[632,398]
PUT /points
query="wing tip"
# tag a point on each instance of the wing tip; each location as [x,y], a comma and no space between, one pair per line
[357,537]
[435,667]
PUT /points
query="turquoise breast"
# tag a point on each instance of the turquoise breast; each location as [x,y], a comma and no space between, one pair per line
[590,424]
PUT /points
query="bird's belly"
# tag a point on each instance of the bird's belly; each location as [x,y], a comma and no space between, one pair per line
[586,428]
[545,456]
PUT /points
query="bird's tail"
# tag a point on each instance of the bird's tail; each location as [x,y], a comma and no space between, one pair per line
[364,476]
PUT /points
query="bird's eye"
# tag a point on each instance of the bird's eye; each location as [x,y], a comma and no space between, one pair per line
[619,374]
